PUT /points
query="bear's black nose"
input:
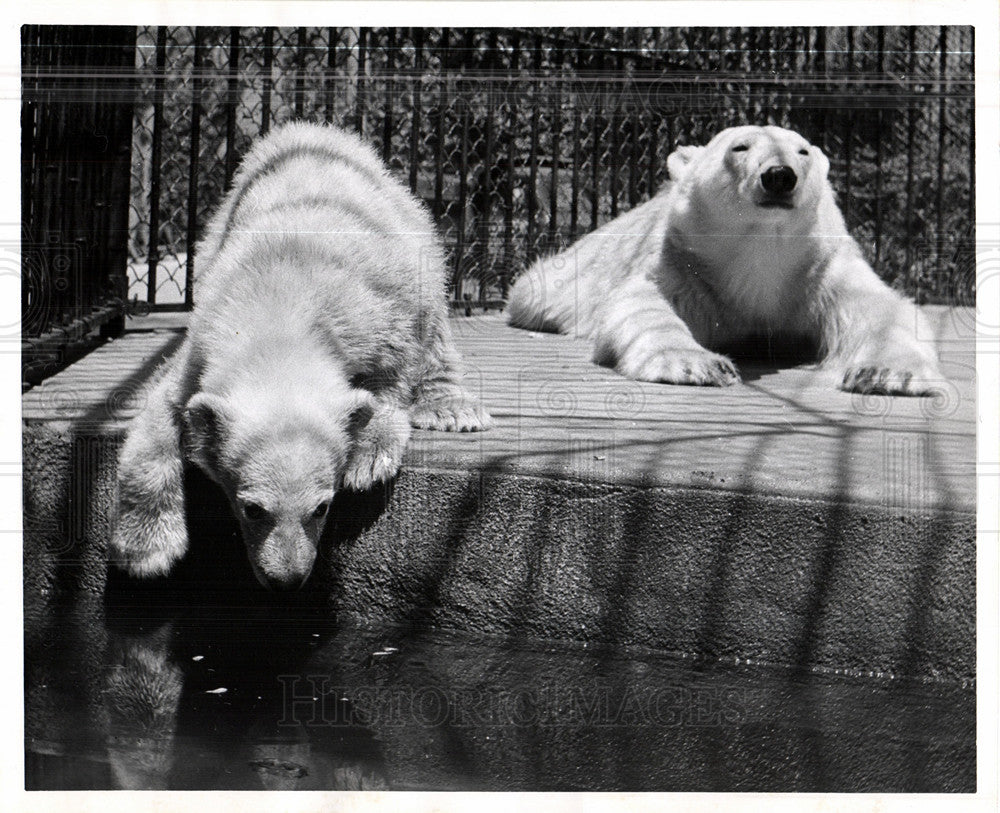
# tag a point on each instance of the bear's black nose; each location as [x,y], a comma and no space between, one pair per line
[778,180]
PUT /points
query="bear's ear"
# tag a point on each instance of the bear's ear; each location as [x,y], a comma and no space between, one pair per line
[820,160]
[206,418]
[680,159]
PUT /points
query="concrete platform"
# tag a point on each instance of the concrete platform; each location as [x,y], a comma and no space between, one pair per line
[780,521]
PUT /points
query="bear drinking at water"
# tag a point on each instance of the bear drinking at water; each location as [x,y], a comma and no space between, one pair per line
[319,338]
[747,241]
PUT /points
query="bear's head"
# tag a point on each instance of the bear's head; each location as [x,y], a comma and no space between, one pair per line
[754,173]
[280,469]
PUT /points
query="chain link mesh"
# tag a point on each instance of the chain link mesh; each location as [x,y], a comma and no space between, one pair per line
[520,140]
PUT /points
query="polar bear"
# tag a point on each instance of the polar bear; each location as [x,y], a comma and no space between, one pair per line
[319,338]
[747,241]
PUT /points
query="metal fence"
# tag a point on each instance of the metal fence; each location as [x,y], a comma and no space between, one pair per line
[519,140]
[76,133]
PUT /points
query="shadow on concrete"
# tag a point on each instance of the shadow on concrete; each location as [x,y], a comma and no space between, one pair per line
[761,356]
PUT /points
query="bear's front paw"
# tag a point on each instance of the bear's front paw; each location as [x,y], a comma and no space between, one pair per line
[147,543]
[459,412]
[919,378]
[681,366]
[378,449]
[370,465]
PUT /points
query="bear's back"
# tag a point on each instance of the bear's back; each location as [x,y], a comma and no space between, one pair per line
[317,237]
[317,192]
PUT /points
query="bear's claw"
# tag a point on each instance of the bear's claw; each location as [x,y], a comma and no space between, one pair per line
[882,380]
[369,467]
[671,366]
[457,413]
[378,450]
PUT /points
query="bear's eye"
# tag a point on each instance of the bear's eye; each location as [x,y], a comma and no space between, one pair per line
[741,148]
[254,511]
[803,151]
[320,511]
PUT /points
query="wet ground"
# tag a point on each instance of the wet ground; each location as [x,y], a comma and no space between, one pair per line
[163,686]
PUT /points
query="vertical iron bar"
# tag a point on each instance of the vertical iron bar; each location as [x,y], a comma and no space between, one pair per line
[300,72]
[657,113]
[29,124]
[799,86]
[45,191]
[99,176]
[439,129]
[156,163]
[64,175]
[194,152]
[120,184]
[880,118]
[741,58]
[359,101]
[766,45]
[556,138]
[232,99]
[32,282]
[508,198]
[330,74]
[62,192]
[653,152]
[780,92]
[89,59]
[849,127]
[574,210]
[390,70]
[416,90]
[533,149]
[724,87]
[942,128]
[463,192]
[911,88]
[754,87]
[633,159]
[971,91]
[265,103]
[615,146]
[806,118]
[595,136]
[824,115]
[462,94]
[486,187]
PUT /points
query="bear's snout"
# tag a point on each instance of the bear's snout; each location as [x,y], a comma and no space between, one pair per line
[778,181]
[284,559]
[285,582]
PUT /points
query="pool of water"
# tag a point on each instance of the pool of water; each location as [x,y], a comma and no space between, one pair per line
[183,692]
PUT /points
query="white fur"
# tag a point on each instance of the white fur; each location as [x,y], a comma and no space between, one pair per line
[319,337]
[713,259]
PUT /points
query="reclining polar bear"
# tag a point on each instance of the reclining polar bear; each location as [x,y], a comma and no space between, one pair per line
[747,241]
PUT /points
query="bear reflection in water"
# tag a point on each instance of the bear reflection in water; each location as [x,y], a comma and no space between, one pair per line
[195,703]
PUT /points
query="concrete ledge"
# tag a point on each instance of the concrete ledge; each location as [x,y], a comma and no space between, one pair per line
[780,521]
